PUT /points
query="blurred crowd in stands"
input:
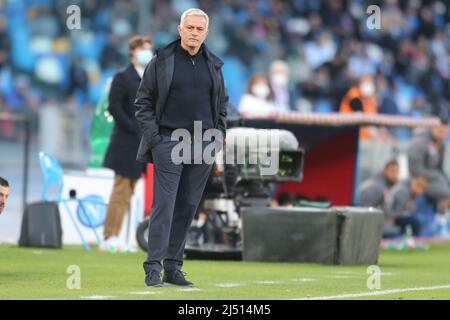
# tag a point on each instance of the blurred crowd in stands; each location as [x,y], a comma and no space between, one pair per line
[280,56]
[302,55]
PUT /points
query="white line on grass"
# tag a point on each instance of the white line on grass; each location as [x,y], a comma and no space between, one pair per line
[144,292]
[189,289]
[96,297]
[305,280]
[376,293]
[228,285]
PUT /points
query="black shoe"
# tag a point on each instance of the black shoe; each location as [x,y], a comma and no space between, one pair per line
[176,277]
[153,279]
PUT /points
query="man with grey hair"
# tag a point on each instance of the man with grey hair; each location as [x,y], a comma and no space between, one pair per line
[183,83]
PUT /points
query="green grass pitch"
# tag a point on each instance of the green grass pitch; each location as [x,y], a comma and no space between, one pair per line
[27,273]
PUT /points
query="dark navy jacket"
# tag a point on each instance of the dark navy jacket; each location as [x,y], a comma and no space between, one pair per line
[155,88]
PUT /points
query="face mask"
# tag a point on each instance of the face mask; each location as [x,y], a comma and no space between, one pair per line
[279,80]
[143,57]
[367,89]
[261,91]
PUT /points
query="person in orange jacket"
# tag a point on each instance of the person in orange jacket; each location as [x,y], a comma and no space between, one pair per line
[361,98]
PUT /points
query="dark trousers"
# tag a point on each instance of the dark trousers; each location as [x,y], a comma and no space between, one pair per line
[177,191]
[412,221]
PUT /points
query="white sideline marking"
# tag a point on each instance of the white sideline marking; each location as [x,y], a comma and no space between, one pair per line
[305,280]
[345,272]
[144,292]
[189,289]
[268,282]
[376,293]
[228,285]
[96,297]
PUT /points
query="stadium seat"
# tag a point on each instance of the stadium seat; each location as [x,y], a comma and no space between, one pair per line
[322,106]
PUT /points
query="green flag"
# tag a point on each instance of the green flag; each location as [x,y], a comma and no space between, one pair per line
[101,128]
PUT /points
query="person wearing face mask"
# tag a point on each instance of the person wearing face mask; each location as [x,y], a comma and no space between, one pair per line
[279,81]
[364,93]
[258,99]
[121,153]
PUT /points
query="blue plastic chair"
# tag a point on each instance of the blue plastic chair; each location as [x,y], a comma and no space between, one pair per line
[91,210]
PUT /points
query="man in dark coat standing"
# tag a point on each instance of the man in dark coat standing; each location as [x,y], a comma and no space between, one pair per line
[182,84]
[121,153]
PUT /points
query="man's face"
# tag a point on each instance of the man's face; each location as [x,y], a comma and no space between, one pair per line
[391,174]
[193,31]
[418,186]
[4,193]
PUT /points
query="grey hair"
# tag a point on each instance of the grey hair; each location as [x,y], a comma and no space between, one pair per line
[194,12]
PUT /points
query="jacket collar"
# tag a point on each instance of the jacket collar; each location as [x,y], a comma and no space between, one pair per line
[163,53]
[131,70]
